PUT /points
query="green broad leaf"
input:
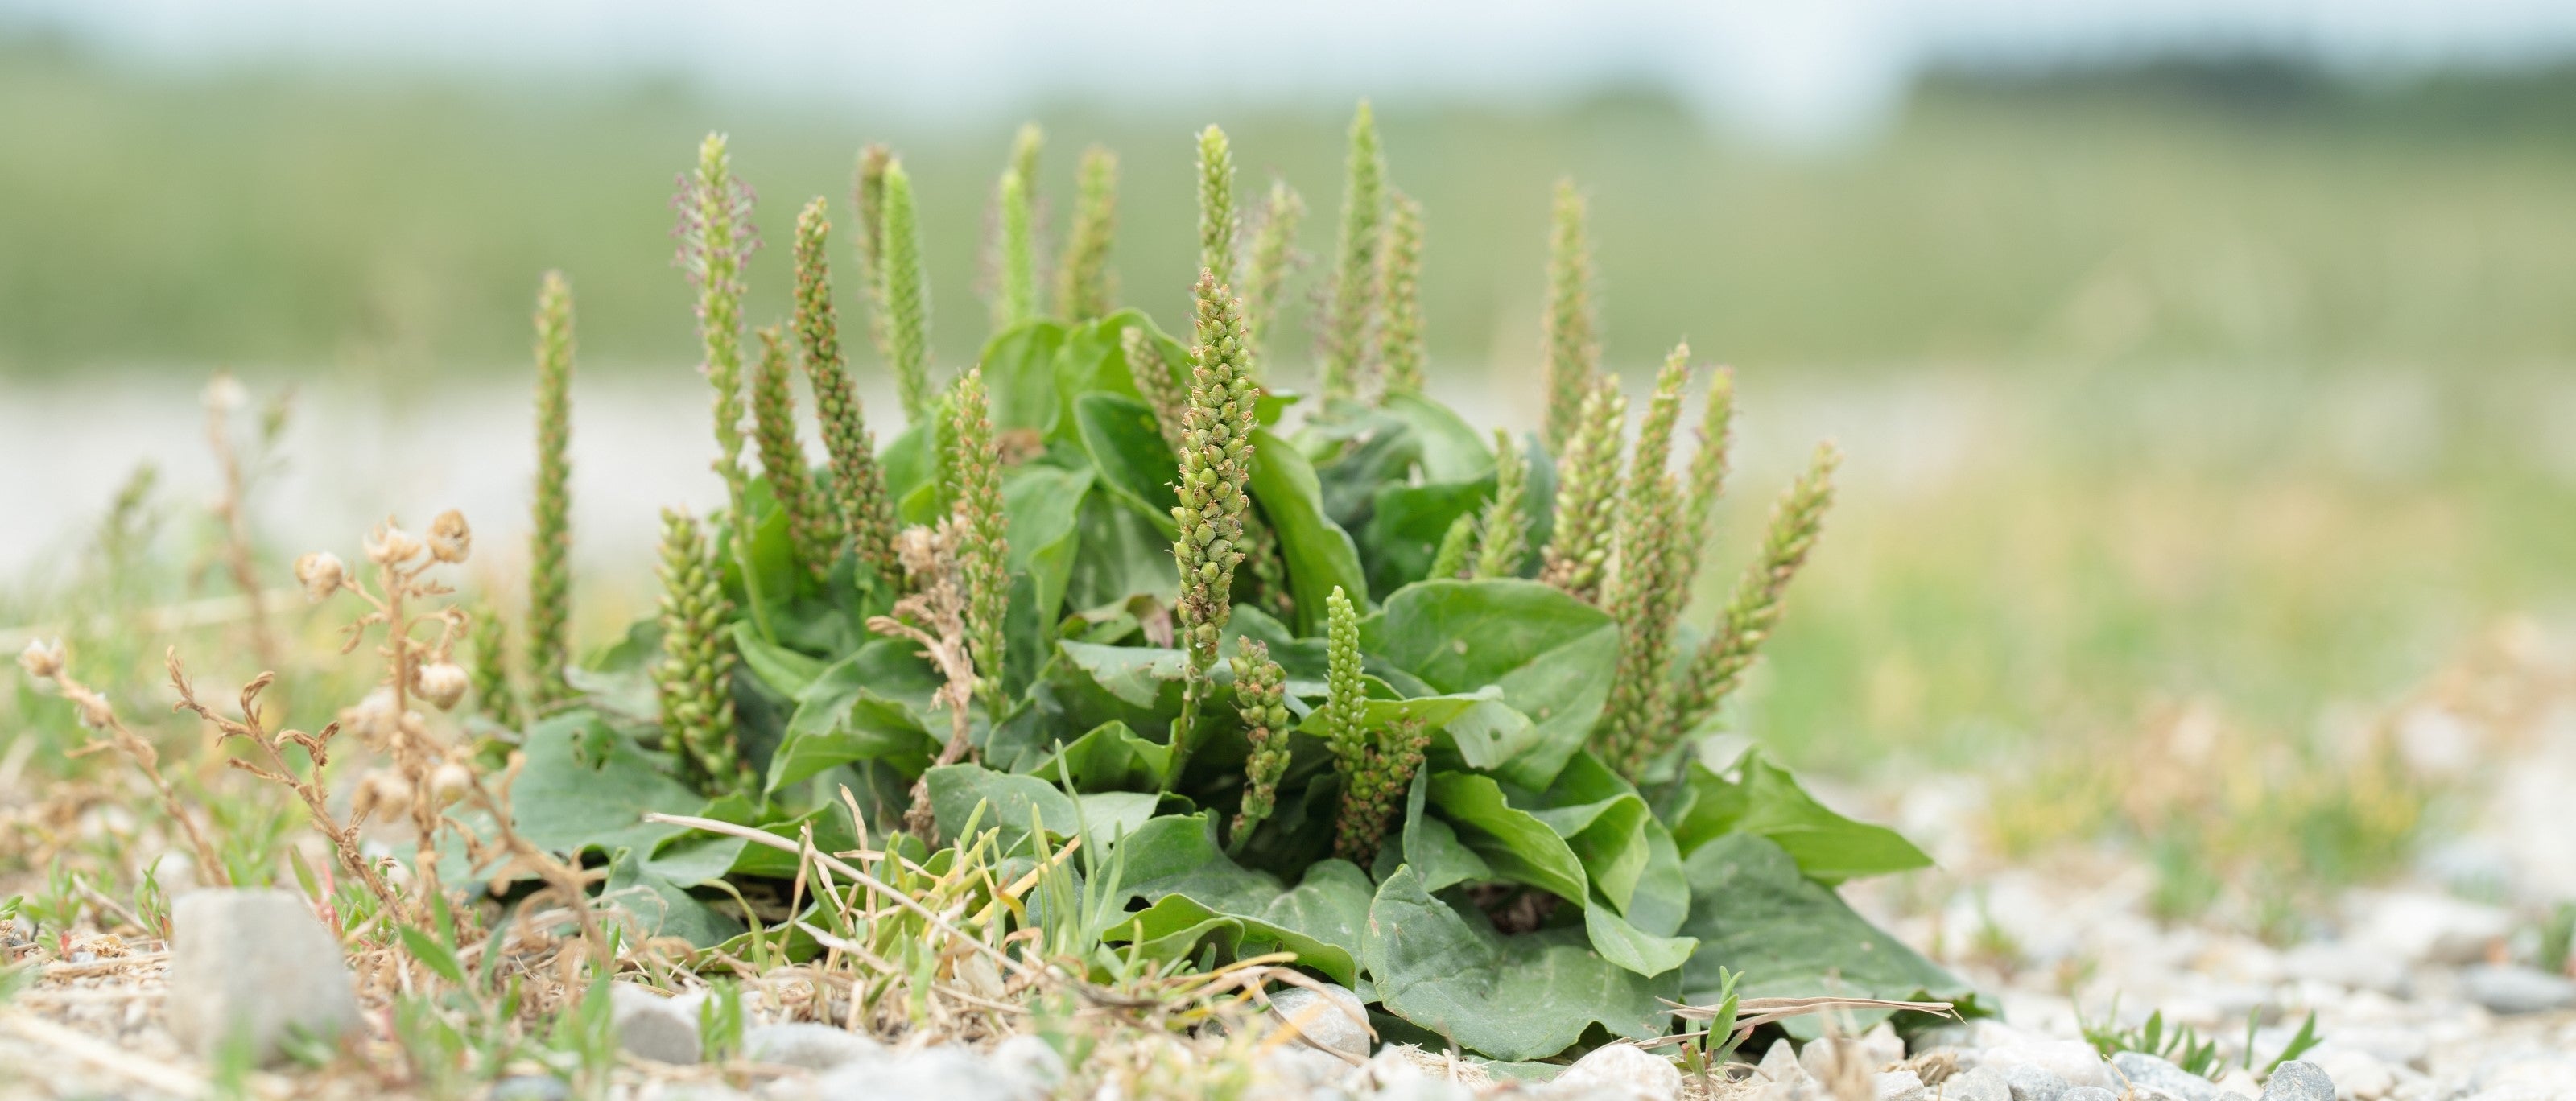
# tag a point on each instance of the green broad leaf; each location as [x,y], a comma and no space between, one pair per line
[1602,854]
[663,908]
[1088,685]
[1551,654]
[785,671]
[832,833]
[695,859]
[1123,556]
[910,461]
[1304,659]
[1357,449]
[792,941]
[1320,554]
[1272,405]
[922,506]
[1768,801]
[1094,360]
[1110,757]
[1433,712]
[1755,912]
[1320,920]
[1043,506]
[865,707]
[1138,676]
[1521,997]
[1110,815]
[1432,846]
[1514,843]
[616,680]
[1632,948]
[1538,501]
[1178,854]
[586,787]
[1012,804]
[1136,466]
[1019,374]
[1628,853]
[1452,449]
[758,539]
[1407,523]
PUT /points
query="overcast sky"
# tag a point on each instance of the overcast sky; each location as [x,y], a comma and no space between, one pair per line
[1801,71]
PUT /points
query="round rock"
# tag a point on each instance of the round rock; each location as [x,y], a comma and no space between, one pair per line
[1979,1084]
[247,965]
[650,1027]
[1031,1060]
[2298,1081]
[2147,1072]
[2032,1082]
[1335,1020]
[2511,988]
[1624,1070]
[807,1044]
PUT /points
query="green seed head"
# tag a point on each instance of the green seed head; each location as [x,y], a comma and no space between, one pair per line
[1346,350]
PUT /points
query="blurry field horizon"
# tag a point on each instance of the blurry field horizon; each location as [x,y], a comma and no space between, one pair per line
[2230,382]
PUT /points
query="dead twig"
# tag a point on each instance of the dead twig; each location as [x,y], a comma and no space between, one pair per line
[45,662]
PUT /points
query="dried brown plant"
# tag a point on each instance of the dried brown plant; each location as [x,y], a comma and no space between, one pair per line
[934,615]
[46,662]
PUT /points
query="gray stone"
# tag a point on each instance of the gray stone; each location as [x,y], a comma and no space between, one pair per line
[1882,1046]
[691,1091]
[1899,1085]
[1625,1070]
[1423,1087]
[1780,1064]
[2090,1093]
[1301,1068]
[1334,1020]
[248,965]
[2423,927]
[2512,988]
[2147,1072]
[2031,1082]
[1980,1084]
[530,1087]
[649,1026]
[806,1044]
[2073,1061]
[943,1073]
[1829,1059]
[2352,966]
[2356,1074]
[2539,1074]
[1031,1060]
[2298,1081]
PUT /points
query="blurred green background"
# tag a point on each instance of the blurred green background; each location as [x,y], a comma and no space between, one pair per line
[2227,383]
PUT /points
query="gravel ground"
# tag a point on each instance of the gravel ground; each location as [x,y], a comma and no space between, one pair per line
[2423,989]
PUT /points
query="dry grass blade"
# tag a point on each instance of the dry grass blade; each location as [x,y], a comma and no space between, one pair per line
[45,662]
[899,898]
[142,1072]
[1752,1013]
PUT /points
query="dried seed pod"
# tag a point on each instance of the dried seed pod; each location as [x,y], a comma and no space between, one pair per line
[390,546]
[381,794]
[442,683]
[449,782]
[321,574]
[42,659]
[450,541]
[372,718]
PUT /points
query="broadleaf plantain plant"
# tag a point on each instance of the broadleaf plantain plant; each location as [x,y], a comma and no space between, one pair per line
[1110,586]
